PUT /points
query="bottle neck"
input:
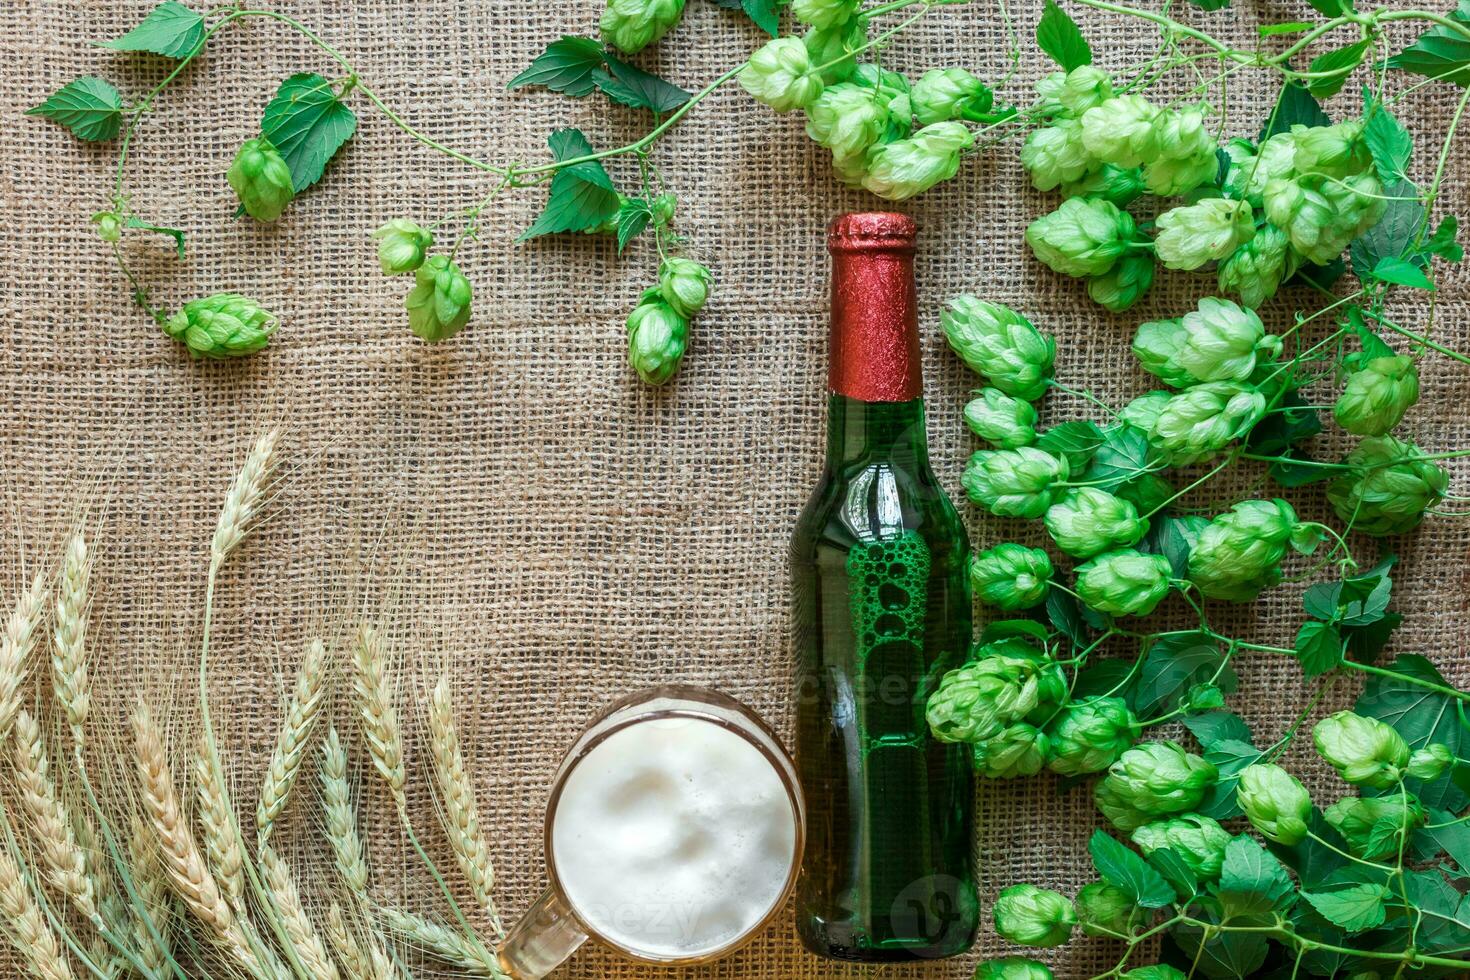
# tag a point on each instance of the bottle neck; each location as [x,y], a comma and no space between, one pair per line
[862,432]
[874,355]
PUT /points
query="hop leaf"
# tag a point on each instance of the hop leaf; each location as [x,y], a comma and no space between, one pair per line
[89,107]
[171,30]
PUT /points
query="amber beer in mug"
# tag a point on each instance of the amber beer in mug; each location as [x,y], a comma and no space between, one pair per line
[881,610]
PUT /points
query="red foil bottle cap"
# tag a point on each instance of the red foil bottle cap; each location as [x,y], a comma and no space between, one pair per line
[875,334]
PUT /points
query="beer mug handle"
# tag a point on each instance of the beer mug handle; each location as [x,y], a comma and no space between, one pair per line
[542,940]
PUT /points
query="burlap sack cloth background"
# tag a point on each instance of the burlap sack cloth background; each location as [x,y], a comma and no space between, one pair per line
[513,502]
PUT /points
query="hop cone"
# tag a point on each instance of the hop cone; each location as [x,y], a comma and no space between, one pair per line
[632,25]
[657,337]
[1377,395]
[1011,576]
[1087,521]
[1274,801]
[439,303]
[1090,735]
[1153,780]
[222,325]
[261,179]
[1240,552]
[1014,482]
[1000,344]
[1124,583]
[1387,491]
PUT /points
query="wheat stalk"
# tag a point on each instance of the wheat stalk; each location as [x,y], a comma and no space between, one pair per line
[375,709]
[16,646]
[340,815]
[179,851]
[457,795]
[69,647]
[443,943]
[51,825]
[294,737]
[300,931]
[26,926]
[358,950]
[243,501]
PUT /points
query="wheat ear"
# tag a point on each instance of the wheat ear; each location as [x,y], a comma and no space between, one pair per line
[300,931]
[221,843]
[443,943]
[360,952]
[293,740]
[150,936]
[51,825]
[375,708]
[341,817]
[243,501]
[16,646]
[26,926]
[111,904]
[69,648]
[177,848]
[457,796]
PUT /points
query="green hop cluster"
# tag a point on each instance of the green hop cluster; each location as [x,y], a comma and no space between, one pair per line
[1256,269]
[261,179]
[942,94]
[1217,341]
[1122,285]
[1387,488]
[1011,576]
[109,225]
[1107,910]
[439,303]
[1197,424]
[824,14]
[1083,237]
[1019,750]
[1003,421]
[1013,968]
[1430,762]
[1008,682]
[1087,521]
[1239,553]
[402,246]
[847,118]
[1378,393]
[781,75]
[222,325]
[1014,482]
[684,285]
[1364,751]
[1375,826]
[1198,840]
[1000,344]
[1088,736]
[1153,780]
[657,338]
[1205,231]
[1031,916]
[1275,803]
[1124,583]
[632,25]
[906,167]
[1116,185]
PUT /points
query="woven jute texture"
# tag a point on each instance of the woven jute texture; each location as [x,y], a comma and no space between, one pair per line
[513,505]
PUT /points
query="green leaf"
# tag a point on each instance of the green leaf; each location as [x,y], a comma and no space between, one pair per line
[765,13]
[172,30]
[1225,955]
[1293,27]
[1167,862]
[1124,868]
[1356,601]
[1372,344]
[1293,474]
[89,107]
[1173,665]
[1230,757]
[1077,441]
[174,233]
[1214,727]
[1066,616]
[1319,648]
[1439,52]
[1445,916]
[1316,863]
[1387,140]
[1123,454]
[582,195]
[1296,421]
[1210,4]
[1365,643]
[1295,105]
[1341,61]
[1111,676]
[1393,234]
[1401,273]
[1174,538]
[633,216]
[1005,629]
[308,124]
[1355,908]
[1058,35]
[1330,8]
[1421,716]
[1443,242]
[1452,838]
[1252,880]
[635,87]
[565,66]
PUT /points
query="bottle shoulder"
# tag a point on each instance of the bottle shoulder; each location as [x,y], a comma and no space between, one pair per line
[876,501]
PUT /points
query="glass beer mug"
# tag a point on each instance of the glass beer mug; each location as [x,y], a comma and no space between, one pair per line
[674,832]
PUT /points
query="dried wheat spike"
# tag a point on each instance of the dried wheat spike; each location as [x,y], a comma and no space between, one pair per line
[51,826]
[457,796]
[340,817]
[221,842]
[69,654]
[293,740]
[25,924]
[243,501]
[375,708]
[358,949]
[152,888]
[16,647]
[180,854]
[444,944]
[305,942]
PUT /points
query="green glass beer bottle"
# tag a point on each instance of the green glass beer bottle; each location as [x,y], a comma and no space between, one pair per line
[881,609]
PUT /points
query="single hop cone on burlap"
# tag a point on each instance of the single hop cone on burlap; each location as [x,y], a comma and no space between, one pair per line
[439,303]
[657,338]
[222,325]
[261,179]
